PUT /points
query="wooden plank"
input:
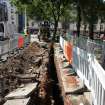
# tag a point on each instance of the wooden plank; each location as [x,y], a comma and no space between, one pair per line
[23,92]
[17,102]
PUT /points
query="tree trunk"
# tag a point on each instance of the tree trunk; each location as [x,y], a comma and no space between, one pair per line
[65,25]
[55,29]
[91,31]
[78,20]
[104,28]
[84,30]
[100,29]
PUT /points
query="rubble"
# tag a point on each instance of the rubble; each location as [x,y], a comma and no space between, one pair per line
[29,66]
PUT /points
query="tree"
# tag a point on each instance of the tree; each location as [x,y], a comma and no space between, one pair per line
[68,16]
[50,10]
[88,11]
[101,14]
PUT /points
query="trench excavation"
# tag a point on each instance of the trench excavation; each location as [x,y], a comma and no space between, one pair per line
[33,70]
[53,75]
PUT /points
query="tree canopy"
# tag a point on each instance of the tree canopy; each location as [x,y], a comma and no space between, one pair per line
[51,10]
[89,11]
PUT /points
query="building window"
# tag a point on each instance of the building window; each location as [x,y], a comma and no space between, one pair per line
[4,3]
[12,22]
[12,17]
[11,5]
[12,11]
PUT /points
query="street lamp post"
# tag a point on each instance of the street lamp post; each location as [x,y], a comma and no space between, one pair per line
[25,18]
[25,28]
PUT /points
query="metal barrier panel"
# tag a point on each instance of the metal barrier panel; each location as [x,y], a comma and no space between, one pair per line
[91,72]
[68,51]
[61,42]
[86,62]
[26,40]
[20,41]
[4,47]
[13,44]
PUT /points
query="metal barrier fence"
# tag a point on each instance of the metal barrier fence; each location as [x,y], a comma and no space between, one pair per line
[91,72]
[88,67]
[26,40]
[13,44]
[96,47]
[4,47]
[10,45]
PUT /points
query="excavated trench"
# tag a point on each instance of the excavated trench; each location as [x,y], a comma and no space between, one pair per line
[58,100]
[34,65]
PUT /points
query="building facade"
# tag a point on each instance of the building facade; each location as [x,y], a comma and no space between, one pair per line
[9,17]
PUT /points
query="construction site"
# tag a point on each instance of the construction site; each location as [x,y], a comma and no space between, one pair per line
[39,74]
[25,77]
[52,52]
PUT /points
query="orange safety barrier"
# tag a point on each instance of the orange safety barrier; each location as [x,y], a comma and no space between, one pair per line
[20,41]
[68,51]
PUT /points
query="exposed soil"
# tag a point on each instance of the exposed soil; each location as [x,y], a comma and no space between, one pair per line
[58,100]
[34,64]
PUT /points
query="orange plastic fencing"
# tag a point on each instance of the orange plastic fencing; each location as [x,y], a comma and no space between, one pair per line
[68,49]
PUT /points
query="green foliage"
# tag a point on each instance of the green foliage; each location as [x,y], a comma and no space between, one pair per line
[89,11]
[51,10]
[69,14]
[19,5]
[44,9]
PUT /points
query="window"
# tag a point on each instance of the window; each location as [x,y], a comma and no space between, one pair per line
[12,11]
[12,17]
[1,27]
[12,22]
[11,5]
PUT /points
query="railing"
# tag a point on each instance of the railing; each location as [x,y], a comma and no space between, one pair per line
[91,72]
[13,44]
[10,45]
[88,67]
[4,47]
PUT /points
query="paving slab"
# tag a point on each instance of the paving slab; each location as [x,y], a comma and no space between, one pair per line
[23,92]
[17,102]
[88,96]
[77,100]
[68,71]
[72,84]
